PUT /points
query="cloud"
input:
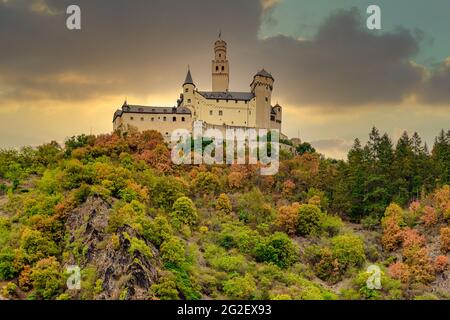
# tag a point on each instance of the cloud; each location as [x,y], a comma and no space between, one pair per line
[436,89]
[335,148]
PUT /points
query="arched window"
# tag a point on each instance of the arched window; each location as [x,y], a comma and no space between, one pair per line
[165,119]
[217,68]
[174,119]
[153,119]
[223,68]
[182,119]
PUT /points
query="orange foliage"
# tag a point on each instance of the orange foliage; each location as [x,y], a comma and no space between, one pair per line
[235,180]
[445,239]
[441,264]
[421,267]
[410,237]
[25,279]
[392,234]
[429,217]
[399,271]
[287,218]
[288,187]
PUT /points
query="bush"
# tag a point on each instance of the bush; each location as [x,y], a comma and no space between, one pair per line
[348,250]
[445,239]
[253,207]
[183,212]
[331,225]
[157,230]
[46,278]
[173,251]
[441,264]
[240,288]
[223,204]
[287,218]
[309,219]
[7,266]
[9,290]
[140,246]
[206,183]
[37,246]
[166,288]
[277,249]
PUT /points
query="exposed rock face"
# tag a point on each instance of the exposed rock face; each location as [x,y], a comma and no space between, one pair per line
[119,270]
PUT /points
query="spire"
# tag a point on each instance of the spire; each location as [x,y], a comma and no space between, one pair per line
[188,77]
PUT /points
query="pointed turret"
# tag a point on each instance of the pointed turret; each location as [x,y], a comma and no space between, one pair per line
[188,79]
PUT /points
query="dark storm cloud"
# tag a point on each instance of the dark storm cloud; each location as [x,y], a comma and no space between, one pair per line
[346,64]
[143,47]
[436,89]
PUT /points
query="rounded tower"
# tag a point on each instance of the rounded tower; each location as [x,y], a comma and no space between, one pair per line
[220,67]
[262,87]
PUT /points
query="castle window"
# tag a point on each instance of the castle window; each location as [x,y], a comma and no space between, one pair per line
[174,119]
[189,100]
[186,90]
[223,68]
[142,118]
[153,119]
[267,99]
[131,118]
[220,113]
[220,55]
[235,101]
[217,100]
[182,119]
[217,68]
[272,118]
[210,112]
[165,119]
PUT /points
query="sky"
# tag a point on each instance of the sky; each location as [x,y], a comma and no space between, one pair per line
[334,78]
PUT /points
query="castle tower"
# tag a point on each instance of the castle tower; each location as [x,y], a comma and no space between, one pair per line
[188,91]
[262,87]
[220,67]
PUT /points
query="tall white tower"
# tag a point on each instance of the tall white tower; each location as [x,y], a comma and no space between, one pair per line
[220,67]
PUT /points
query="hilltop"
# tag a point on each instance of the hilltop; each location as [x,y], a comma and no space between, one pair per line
[139,227]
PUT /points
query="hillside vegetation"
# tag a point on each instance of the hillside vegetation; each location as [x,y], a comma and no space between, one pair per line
[139,227]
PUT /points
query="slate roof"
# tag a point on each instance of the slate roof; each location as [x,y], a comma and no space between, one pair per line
[150,110]
[242,96]
[188,79]
[264,73]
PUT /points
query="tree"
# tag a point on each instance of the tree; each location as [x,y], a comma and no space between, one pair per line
[46,278]
[173,251]
[309,219]
[305,147]
[287,218]
[348,249]
[277,249]
[183,212]
[240,287]
[223,204]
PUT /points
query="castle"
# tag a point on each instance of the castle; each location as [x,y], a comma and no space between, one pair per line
[217,109]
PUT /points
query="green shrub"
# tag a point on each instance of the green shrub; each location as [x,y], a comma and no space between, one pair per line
[309,220]
[277,249]
[9,290]
[46,278]
[254,208]
[183,212]
[37,246]
[348,250]
[7,267]
[240,288]
[166,288]
[173,251]
[157,230]
[332,225]
[140,246]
